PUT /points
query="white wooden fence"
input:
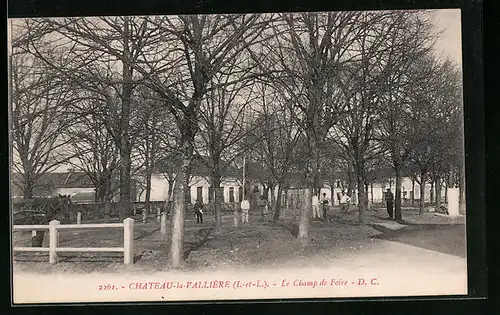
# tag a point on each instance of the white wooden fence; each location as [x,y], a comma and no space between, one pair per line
[53,227]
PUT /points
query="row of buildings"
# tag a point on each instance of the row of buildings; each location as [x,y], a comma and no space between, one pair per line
[81,189]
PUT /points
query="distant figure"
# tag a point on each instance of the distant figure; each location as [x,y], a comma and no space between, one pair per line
[344,203]
[389,201]
[198,211]
[264,207]
[325,202]
[245,207]
[315,207]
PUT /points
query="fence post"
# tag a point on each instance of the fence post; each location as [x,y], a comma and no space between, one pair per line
[158,214]
[163,224]
[128,241]
[53,241]
[78,218]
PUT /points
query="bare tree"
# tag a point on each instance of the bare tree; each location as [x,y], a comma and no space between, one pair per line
[201,46]
[118,43]
[362,78]
[276,142]
[95,152]
[40,102]
[312,51]
[225,119]
[398,118]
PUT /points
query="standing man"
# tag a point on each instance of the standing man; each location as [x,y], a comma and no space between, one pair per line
[315,206]
[245,208]
[344,203]
[325,202]
[389,201]
[198,211]
[263,206]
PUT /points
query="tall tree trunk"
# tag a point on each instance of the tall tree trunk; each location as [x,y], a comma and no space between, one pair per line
[422,193]
[371,192]
[438,193]
[170,189]
[125,147]
[147,206]
[277,208]
[367,192]
[332,191]
[350,183]
[446,195]
[187,127]
[148,172]
[287,206]
[305,211]
[305,214]
[28,188]
[180,207]
[461,188]
[217,201]
[412,191]
[361,196]
[273,197]
[36,241]
[397,201]
[432,193]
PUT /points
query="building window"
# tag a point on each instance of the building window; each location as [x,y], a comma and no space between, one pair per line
[240,194]
[199,193]
[231,194]
[222,196]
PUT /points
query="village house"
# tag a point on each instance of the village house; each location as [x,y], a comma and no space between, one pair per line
[199,184]
[77,185]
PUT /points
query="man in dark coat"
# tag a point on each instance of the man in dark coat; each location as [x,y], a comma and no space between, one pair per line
[198,211]
[389,200]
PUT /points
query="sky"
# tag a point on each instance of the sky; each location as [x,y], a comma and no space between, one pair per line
[450,41]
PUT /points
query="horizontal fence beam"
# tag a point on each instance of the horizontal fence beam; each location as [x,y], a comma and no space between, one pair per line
[31,249]
[54,226]
[90,249]
[90,226]
[30,227]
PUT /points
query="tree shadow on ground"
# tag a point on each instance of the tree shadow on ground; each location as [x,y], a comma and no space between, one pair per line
[293,228]
[444,238]
[200,238]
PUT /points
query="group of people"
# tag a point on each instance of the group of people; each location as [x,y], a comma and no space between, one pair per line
[245,208]
[262,204]
[319,207]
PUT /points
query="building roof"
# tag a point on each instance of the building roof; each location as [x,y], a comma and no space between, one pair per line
[199,167]
[83,196]
[50,181]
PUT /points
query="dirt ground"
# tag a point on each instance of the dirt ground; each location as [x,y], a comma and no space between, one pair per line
[254,245]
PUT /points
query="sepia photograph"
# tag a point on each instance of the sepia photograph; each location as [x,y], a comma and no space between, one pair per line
[256,156]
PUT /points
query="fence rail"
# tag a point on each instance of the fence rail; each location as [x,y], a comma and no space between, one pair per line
[54,227]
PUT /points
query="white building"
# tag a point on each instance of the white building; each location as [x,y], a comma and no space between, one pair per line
[233,191]
[199,188]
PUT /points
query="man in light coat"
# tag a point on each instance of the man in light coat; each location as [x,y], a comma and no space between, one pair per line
[315,207]
[245,208]
[344,203]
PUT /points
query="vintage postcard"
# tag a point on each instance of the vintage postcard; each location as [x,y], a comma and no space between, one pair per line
[237,156]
